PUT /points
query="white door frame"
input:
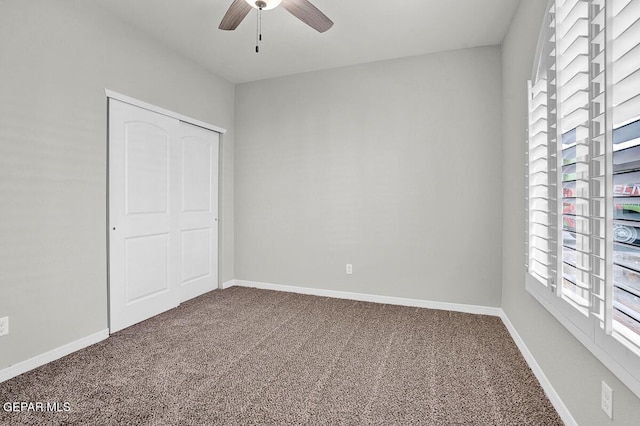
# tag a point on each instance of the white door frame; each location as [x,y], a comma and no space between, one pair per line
[144,105]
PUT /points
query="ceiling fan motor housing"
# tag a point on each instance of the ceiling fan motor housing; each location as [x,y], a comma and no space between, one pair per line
[264,4]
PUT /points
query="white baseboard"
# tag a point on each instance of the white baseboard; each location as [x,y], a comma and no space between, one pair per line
[52,355]
[551,393]
[389,300]
[228,284]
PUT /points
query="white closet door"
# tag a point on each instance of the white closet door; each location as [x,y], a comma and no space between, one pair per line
[144,164]
[198,211]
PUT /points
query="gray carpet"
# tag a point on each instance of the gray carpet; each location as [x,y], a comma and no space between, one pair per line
[253,357]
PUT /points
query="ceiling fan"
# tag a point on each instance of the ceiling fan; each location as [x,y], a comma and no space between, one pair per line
[301,9]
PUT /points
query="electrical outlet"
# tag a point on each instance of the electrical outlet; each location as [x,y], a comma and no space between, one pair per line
[4,326]
[349,269]
[606,402]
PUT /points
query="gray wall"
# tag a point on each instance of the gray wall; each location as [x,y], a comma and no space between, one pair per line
[394,167]
[572,370]
[56,59]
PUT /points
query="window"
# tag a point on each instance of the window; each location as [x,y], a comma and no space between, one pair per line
[583,177]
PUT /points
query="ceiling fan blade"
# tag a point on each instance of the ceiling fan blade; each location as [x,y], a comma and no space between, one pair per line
[308,13]
[236,13]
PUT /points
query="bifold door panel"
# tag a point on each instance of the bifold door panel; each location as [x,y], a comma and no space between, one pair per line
[163,176]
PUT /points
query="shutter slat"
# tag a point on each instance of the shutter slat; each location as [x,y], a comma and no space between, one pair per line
[577,32]
[538,151]
[577,82]
[538,178]
[539,100]
[538,165]
[539,230]
[577,65]
[539,191]
[575,118]
[538,127]
[627,64]
[579,47]
[568,17]
[626,89]
[578,99]
[540,243]
[626,111]
[626,41]
[617,6]
[539,204]
[538,140]
[540,86]
[539,114]
[625,18]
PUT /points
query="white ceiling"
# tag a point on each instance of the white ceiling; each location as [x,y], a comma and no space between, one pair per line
[364,31]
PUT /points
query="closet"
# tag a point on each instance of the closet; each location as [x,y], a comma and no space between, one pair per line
[163,211]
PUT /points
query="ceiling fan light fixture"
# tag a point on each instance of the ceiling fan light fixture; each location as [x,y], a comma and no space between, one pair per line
[301,9]
[270,4]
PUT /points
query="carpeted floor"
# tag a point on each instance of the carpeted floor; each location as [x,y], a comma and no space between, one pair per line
[253,357]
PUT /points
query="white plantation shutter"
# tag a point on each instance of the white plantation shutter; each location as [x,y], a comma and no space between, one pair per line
[538,184]
[583,177]
[572,87]
[541,228]
[624,316]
